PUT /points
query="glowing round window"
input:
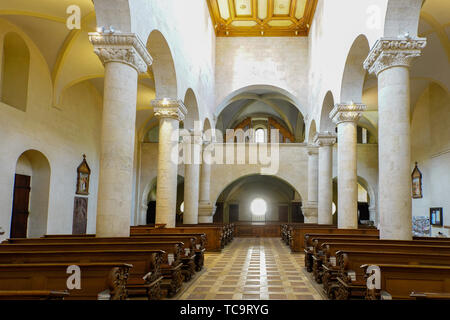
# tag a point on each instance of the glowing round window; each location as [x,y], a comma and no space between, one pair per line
[258,207]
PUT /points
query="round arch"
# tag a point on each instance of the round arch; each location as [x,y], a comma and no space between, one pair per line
[326,124]
[33,171]
[190,101]
[163,66]
[279,93]
[354,73]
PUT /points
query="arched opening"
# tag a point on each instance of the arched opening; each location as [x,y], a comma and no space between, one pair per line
[366,202]
[150,200]
[163,66]
[258,198]
[190,101]
[31,196]
[16,67]
[326,124]
[265,107]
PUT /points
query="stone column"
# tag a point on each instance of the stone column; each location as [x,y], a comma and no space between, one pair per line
[206,209]
[309,208]
[191,178]
[124,56]
[325,141]
[346,117]
[390,59]
[170,112]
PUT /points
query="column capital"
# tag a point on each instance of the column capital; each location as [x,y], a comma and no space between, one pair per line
[325,139]
[347,112]
[169,108]
[393,52]
[312,150]
[125,48]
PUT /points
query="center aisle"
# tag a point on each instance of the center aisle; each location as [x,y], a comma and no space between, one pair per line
[253,268]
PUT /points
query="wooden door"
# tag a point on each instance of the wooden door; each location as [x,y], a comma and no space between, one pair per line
[297,214]
[283,213]
[218,216]
[80,215]
[19,221]
[151,212]
[234,213]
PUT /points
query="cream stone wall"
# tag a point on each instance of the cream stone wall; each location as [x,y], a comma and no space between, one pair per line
[430,147]
[248,61]
[293,169]
[61,135]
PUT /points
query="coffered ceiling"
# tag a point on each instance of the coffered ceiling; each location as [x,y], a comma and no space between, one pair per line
[252,18]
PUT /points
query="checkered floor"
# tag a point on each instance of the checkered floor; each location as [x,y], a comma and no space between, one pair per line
[253,268]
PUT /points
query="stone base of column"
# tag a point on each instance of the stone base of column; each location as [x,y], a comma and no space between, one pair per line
[310,212]
[206,212]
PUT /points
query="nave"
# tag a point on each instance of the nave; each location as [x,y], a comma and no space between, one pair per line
[253,269]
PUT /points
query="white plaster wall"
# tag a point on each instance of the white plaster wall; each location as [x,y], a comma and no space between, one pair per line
[330,39]
[188,30]
[430,147]
[61,135]
[276,61]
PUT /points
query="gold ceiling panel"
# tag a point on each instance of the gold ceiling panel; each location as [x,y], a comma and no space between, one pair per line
[271,18]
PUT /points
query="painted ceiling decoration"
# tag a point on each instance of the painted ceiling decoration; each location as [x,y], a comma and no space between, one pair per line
[270,18]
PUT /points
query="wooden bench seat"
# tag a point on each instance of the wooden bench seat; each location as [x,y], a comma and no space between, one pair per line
[350,262]
[330,266]
[429,296]
[109,278]
[32,295]
[146,263]
[297,240]
[195,243]
[213,234]
[170,270]
[314,240]
[400,280]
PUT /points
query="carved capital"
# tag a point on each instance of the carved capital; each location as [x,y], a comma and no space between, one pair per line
[121,47]
[393,52]
[325,139]
[206,209]
[347,112]
[169,108]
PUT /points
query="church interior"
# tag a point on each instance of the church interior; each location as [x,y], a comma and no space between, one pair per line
[224,150]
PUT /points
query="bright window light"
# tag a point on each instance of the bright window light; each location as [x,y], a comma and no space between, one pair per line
[260,136]
[258,207]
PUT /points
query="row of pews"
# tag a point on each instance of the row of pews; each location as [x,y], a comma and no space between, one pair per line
[153,262]
[357,264]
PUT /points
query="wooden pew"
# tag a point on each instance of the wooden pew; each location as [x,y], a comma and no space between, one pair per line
[145,275]
[330,265]
[314,240]
[213,234]
[170,270]
[109,278]
[297,239]
[429,296]
[399,280]
[195,242]
[352,280]
[32,295]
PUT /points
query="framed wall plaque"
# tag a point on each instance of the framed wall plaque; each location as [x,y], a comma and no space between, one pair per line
[416,179]
[83,174]
[436,217]
[80,215]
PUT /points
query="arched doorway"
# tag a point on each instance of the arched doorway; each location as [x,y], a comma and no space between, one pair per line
[31,194]
[258,198]
[150,199]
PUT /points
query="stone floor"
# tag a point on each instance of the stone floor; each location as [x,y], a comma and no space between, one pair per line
[252,268]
